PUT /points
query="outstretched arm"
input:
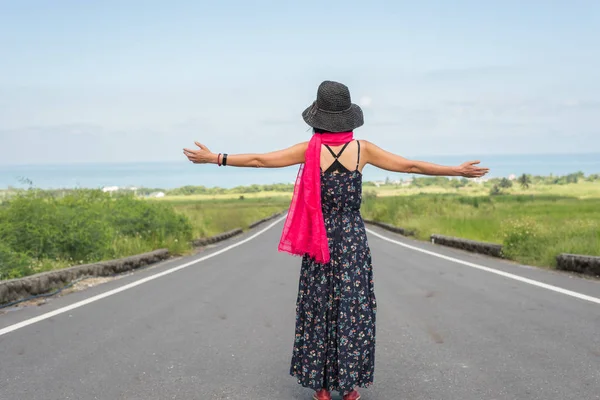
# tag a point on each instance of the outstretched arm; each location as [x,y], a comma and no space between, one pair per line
[392,162]
[276,159]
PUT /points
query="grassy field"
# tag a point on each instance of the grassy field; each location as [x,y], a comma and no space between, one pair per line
[263,196]
[533,228]
[580,190]
[534,224]
[210,217]
[44,230]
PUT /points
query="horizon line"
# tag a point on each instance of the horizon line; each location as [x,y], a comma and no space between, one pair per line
[480,156]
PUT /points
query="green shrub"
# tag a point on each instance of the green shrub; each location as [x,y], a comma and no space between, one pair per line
[72,227]
[13,264]
[521,239]
[149,220]
[83,226]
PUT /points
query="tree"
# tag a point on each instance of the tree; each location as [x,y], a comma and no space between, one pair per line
[495,191]
[456,184]
[525,181]
[593,177]
[505,183]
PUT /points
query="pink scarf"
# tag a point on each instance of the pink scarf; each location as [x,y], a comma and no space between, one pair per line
[304,230]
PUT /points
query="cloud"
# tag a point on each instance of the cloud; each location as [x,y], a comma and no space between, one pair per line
[365,101]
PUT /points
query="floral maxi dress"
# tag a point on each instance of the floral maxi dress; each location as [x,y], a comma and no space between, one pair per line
[334,346]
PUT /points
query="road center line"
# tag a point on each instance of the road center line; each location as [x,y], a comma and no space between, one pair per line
[82,303]
[492,270]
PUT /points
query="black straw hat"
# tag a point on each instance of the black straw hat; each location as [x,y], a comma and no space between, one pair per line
[333,110]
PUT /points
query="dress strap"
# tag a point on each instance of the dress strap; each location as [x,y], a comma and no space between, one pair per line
[358,159]
[342,150]
[338,154]
[331,151]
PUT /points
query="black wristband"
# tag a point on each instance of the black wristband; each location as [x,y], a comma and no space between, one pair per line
[224,159]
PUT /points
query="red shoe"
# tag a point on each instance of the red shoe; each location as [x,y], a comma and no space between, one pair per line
[322,395]
[353,395]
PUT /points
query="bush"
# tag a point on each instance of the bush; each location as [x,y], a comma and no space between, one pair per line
[519,237]
[84,226]
[13,264]
[148,220]
[505,183]
[45,227]
[495,191]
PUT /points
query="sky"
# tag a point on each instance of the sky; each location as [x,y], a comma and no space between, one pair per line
[132,81]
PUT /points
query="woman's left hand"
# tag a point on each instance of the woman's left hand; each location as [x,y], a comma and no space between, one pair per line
[200,156]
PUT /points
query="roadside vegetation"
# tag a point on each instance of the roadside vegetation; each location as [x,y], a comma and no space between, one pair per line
[46,230]
[534,229]
[211,217]
[534,217]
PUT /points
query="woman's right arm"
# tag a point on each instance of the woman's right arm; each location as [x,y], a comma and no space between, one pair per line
[391,162]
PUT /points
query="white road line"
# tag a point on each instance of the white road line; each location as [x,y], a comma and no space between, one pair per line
[492,270]
[82,303]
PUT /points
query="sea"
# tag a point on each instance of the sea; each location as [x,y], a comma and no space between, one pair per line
[168,175]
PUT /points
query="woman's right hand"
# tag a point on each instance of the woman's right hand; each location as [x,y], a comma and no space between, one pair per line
[470,169]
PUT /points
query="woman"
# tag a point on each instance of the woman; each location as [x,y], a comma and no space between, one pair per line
[334,348]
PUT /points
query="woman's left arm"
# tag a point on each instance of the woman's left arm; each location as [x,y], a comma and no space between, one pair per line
[276,159]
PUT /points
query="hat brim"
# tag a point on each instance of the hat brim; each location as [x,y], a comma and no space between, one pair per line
[334,122]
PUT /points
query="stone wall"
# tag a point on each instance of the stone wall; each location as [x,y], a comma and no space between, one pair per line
[391,228]
[262,221]
[588,265]
[17,289]
[490,249]
[215,239]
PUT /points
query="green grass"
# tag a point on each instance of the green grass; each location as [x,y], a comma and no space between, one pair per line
[266,196]
[211,217]
[581,190]
[45,230]
[42,231]
[533,229]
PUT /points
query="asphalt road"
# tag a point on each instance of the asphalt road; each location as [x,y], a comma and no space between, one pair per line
[222,327]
